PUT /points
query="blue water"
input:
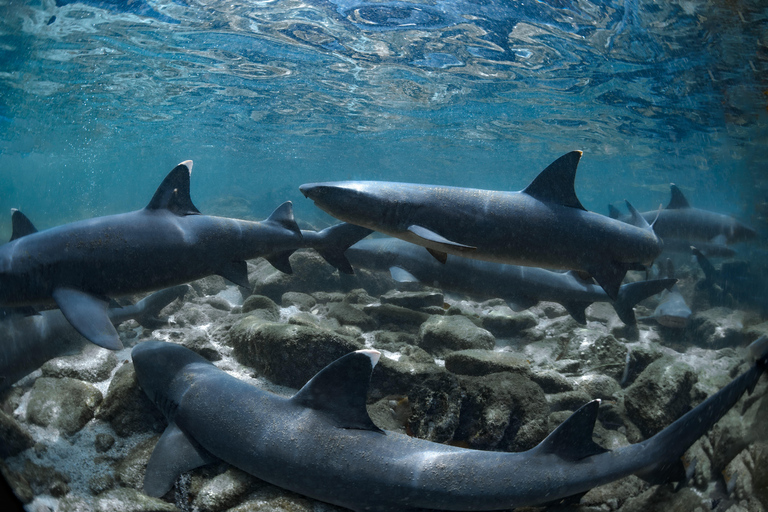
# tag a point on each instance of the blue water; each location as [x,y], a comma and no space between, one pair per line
[99,99]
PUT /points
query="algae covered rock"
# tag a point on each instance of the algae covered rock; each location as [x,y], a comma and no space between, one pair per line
[64,404]
[287,354]
[126,407]
[717,328]
[347,314]
[261,306]
[477,362]
[13,438]
[93,364]
[446,333]
[225,490]
[660,395]
[414,300]
[504,322]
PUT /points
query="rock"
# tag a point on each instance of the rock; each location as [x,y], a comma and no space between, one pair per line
[598,386]
[287,354]
[435,408]
[393,341]
[131,468]
[444,333]
[93,364]
[272,499]
[310,274]
[348,314]
[103,442]
[660,395]
[197,341]
[501,321]
[639,359]
[495,409]
[401,377]
[598,352]
[716,328]
[359,296]
[219,303]
[413,300]
[303,301]
[614,494]
[14,438]
[210,285]
[568,400]
[326,297]
[551,381]
[396,318]
[126,407]
[101,482]
[305,318]
[64,404]
[391,413]
[225,490]
[45,479]
[19,485]
[125,499]
[262,307]
[665,498]
[569,366]
[476,362]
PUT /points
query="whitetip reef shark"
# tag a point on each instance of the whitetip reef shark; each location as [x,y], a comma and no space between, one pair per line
[322,443]
[521,287]
[544,225]
[169,242]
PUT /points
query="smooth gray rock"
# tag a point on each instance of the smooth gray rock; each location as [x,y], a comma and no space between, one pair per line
[14,438]
[396,318]
[225,490]
[440,334]
[261,306]
[131,468]
[359,296]
[126,407]
[401,377]
[568,400]
[413,299]
[347,314]
[476,362]
[551,381]
[303,301]
[503,322]
[104,442]
[287,354]
[64,404]
[599,386]
[598,352]
[125,499]
[660,395]
[93,364]
[716,328]
[210,285]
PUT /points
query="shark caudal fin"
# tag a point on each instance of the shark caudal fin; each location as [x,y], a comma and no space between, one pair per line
[340,389]
[332,242]
[709,270]
[632,293]
[173,192]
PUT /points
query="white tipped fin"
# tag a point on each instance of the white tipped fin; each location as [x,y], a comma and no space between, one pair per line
[374,355]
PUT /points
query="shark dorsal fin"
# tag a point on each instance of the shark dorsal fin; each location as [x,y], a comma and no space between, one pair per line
[613,212]
[678,200]
[283,216]
[22,226]
[340,389]
[173,192]
[635,218]
[572,440]
[555,183]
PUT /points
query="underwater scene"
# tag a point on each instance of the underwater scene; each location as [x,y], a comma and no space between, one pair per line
[319,255]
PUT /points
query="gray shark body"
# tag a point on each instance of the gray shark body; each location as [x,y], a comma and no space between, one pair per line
[322,443]
[672,310]
[169,242]
[680,221]
[544,225]
[521,287]
[28,341]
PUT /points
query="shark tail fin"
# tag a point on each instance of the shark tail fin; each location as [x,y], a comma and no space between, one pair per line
[333,241]
[632,293]
[572,440]
[709,270]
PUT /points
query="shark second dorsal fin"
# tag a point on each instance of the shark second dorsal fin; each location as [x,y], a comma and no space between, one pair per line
[340,389]
[21,225]
[283,216]
[572,440]
[613,212]
[678,200]
[173,192]
[555,183]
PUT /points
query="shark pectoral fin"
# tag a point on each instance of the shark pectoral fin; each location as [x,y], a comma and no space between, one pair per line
[577,310]
[173,192]
[175,454]
[88,314]
[339,390]
[281,261]
[21,225]
[236,272]
[440,256]
[433,238]
[572,440]
[677,200]
[401,275]
[609,276]
[555,183]
[283,216]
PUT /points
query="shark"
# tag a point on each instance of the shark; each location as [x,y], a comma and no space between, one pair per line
[672,310]
[322,443]
[680,221]
[522,287]
[544,225]
[78,266]
[735,281]
[28,341]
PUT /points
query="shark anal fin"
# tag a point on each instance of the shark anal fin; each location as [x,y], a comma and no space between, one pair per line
[283,216]
[236,272]
[555,183]
[339,390]
[21,225]
[401,275]
[572,440]
[677,200]
[440,256]
[173,192]
[281,261]
[89,316]
[433,238]
[175,454]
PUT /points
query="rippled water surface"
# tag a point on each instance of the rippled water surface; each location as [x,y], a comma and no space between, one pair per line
[100,98]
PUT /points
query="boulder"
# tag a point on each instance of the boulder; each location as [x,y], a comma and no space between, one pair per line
[716,328]
[93,364]
[440,334]
[126,407]
[64,404]
[476,362]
